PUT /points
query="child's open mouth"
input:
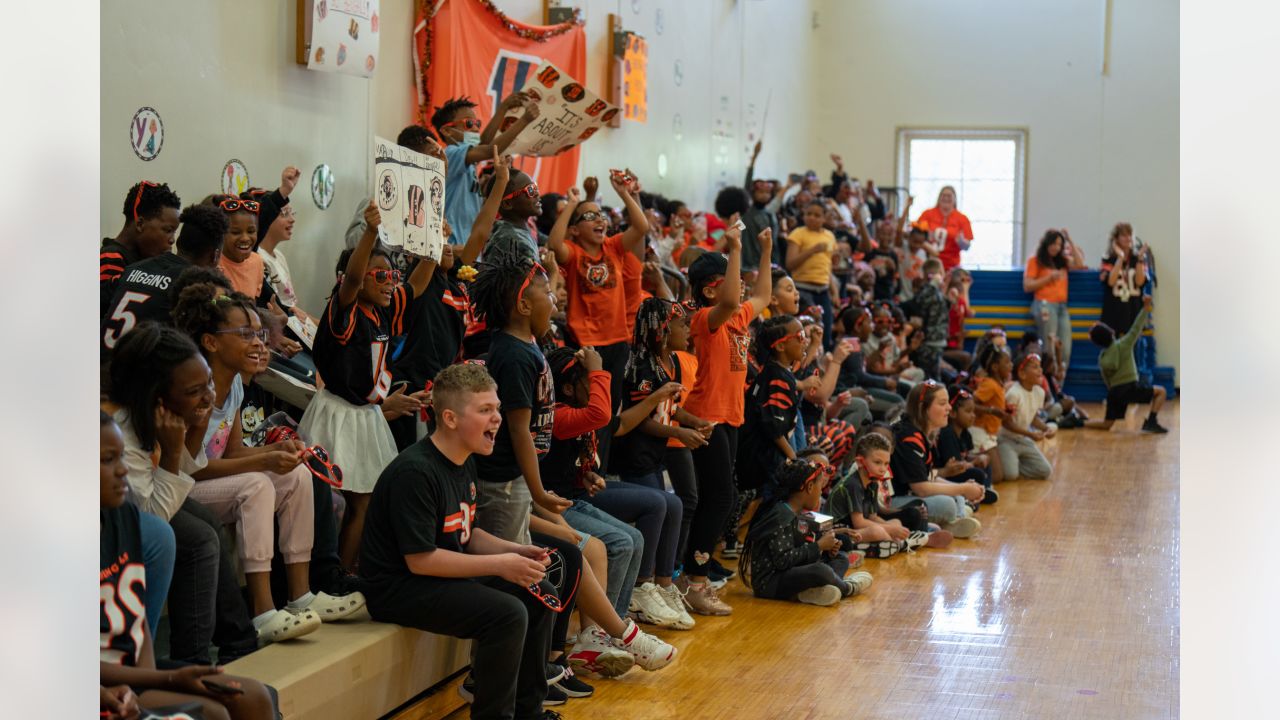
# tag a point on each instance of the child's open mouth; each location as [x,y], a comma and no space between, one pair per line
[491,436]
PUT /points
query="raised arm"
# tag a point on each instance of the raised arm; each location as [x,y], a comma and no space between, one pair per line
[728,297]
[353,274]
[508,103]
[638,224]
[555,239]
[482,152]
[763,291]
[488,211]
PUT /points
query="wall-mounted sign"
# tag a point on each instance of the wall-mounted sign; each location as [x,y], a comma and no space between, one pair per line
[322,186]
[235,177]
[146,133]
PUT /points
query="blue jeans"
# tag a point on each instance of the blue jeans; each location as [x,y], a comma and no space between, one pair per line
[656,514]
[1053,320]
[943,509]
[623,545]
[158,551]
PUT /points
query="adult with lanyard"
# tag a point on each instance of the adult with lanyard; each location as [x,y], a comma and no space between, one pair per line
[945,216]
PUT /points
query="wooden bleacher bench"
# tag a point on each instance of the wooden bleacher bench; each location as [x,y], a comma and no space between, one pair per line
[354,669]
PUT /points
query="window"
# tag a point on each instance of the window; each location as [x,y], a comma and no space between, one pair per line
[987,169]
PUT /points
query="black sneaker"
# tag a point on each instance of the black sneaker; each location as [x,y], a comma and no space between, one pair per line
[555,696]
[1152,426]
[990,496]
[570,684]
[467,690]
[551,715]
[716,571]
[555,673]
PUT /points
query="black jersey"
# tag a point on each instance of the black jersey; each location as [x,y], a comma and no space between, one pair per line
[141,294]
[637,452]
[352,343]
[769,413]
[434,327]
[113,258]
[122,584]
[524,381]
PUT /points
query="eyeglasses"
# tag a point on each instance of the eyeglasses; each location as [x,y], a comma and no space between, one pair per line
[530,190]
[318,462]
[235,204]
[382,276]
[800,335]
[677,310]
[468,123]
[589,216]
[137,198]
[247,334]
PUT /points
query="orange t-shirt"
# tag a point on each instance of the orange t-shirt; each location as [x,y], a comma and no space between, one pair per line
[722,365]
[956,223]
[990,393]
[597,311]
[688,371]
[1054,292]
[245,277]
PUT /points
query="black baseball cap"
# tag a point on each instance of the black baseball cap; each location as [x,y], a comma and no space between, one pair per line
[706,266]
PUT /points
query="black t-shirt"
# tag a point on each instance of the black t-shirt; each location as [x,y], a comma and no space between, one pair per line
[912,457]
[952,445]
[434,328]
[851,496]
[422,502]
[524,381]
[638,452]
[122,579]
[141,294]
[769,413]
[886,274]
[564,467]
[352,344]
[812,413]
[113,258]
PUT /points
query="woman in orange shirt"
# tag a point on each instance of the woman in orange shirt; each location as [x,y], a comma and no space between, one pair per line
[1046,277]
[959,232]
[721,335]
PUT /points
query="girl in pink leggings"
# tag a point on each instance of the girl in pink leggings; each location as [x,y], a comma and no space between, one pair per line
[253,486]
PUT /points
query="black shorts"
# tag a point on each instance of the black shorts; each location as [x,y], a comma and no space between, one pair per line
[1120,397]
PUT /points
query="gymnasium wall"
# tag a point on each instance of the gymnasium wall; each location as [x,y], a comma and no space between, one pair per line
[1100,149]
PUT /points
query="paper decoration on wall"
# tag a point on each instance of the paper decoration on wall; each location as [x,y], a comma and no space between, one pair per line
[235,177]
[344,36]
[322,186]
[569,114]
[635,69]
[409,188]
[678,73]
[677,127]
[659,21]
[146,133]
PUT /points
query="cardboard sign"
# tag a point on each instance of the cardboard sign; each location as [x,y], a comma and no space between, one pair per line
[409,189]
[569,114]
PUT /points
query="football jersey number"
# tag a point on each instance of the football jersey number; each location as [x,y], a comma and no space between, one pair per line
[127,319]
[116,604]
[381,377]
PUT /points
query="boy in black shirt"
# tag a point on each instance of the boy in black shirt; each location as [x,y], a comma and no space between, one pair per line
[150,221]
[426,566]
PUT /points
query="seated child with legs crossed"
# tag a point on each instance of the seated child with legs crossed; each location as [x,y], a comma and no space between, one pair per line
[782,562]
[1023,428]
[956,460]
[855,502]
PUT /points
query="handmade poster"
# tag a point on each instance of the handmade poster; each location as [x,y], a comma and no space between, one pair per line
[344,36]
[409,188]
[635,68]
[569,114]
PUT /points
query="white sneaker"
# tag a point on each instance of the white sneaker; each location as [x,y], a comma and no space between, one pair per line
[594,655]
[965,527]
[674,599]
[334,607]
[917,539]
[822,595]
[283,625]
[650,653]
[860,581]
[649,607]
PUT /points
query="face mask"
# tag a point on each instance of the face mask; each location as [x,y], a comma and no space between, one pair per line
[471,138]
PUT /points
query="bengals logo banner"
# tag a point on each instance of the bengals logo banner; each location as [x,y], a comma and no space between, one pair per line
[469,48]
[570,114]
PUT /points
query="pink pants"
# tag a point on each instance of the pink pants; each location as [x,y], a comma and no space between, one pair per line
[251,500]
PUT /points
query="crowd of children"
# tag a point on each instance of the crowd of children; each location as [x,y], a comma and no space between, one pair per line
[489,437]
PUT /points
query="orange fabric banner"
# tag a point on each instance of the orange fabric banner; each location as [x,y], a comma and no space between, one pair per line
[470,48]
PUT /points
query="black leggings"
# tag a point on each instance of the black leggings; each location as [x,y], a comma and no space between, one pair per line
[679,464]
[614,359]
[713,464]
[789,583]
[566,581]
[982,477]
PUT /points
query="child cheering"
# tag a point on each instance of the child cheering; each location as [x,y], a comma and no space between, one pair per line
[1120,373]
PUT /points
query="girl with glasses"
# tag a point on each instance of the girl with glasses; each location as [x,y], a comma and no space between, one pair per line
[254,487]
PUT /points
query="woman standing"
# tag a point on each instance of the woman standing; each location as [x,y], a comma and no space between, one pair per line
[1124,273]
[1046,278]
[945,216]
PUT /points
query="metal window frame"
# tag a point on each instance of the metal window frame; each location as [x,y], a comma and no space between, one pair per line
[1021,139]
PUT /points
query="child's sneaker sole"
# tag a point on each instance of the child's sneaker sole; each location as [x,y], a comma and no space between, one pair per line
[825,595]
[965,527]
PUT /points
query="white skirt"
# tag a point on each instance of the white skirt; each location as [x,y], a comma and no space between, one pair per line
[357,438]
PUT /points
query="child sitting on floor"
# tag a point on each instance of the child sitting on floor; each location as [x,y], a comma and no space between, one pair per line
[956,461]
[855,502]
[782,562]
[1019,456]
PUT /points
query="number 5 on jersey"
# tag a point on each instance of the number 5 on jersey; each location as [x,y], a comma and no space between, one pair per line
[122,314]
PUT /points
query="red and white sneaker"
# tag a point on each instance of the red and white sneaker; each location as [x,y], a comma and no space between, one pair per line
[650,652]
[595,655]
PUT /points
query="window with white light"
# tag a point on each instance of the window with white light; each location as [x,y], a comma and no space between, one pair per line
[987,169]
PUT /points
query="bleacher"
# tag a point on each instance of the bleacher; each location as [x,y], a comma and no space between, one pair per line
[997,298]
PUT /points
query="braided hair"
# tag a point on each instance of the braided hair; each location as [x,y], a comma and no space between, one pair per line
[201,309]
[789,479]
[498,280]
[771,330]
[650,337]
[154,198]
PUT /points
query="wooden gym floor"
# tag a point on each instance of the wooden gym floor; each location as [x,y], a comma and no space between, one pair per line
[1066,606]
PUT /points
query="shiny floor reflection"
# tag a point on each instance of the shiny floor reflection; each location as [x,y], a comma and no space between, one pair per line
[1066,606]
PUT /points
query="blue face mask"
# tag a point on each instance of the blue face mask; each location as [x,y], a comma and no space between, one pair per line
[471,138]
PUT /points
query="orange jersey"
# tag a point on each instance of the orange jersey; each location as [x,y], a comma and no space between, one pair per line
[597,311]
[717,394]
